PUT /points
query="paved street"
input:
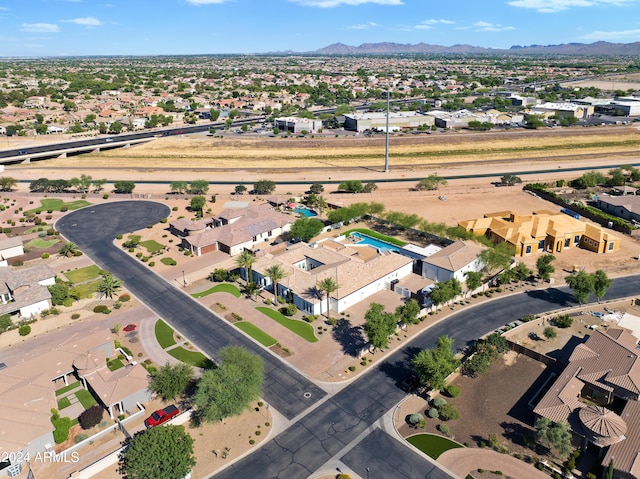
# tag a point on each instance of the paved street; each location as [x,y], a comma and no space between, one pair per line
[327,429]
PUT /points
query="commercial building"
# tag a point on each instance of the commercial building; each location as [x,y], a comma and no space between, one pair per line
[295,124]
[378,121]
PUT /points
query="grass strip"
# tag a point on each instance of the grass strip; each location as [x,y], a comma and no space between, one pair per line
[168,261]
[431,444]
[219,288]
[80,275]
[86,290]
[152,246]
[41,244]
[376,235]
[63,403]
[302,329]
[61,391]
[195,358]
[115,364]
[86,398]
[164,334]
[56,204]
[256,333]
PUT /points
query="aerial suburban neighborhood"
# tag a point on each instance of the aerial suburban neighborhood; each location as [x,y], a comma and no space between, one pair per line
[391,260]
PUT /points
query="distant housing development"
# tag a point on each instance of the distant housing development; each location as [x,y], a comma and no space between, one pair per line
[543,231]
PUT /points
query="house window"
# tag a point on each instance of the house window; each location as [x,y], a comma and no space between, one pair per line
[255,238]
[269,234]
[527,249]
[541,245]
[576,239]
[610,246]
[567,242]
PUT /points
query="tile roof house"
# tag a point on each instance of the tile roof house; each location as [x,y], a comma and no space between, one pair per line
[27,388]
[359,270]
[453,261]
[627,207]
[543,231]
[606,367]
[233,230]
[24,291]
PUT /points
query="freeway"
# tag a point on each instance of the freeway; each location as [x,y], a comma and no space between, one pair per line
[324,430]
[94,228]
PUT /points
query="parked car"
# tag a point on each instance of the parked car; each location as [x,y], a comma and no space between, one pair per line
[161,416]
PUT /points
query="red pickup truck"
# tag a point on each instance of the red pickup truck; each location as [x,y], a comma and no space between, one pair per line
[161,416]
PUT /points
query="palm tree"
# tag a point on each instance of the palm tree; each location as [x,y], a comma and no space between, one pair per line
[275,273]
[246,260]
[69,249]
[109,285]
[252,289]
[328,285]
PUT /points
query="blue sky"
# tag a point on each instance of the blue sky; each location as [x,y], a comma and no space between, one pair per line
[156,27]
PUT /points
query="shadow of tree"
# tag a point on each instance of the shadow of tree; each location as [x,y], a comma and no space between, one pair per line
[349,337]
[518,434]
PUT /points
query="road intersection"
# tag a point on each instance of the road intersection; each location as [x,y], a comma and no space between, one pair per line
[323,428]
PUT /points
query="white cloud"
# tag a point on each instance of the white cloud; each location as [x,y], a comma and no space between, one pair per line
[620,35]
[40,28]
[337,3]
[552,6]
[491,27]
[428,24]
[205,2]
[363,26]
[86,21]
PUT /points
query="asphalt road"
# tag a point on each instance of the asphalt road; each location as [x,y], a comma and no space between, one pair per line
[326,430]
[94,228]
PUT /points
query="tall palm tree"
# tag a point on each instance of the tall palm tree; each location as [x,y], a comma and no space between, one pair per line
[275,273]
[328,285]
[69,249]
[109,285]
[246,260]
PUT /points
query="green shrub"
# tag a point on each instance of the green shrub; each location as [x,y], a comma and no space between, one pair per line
[415,418]
[443,428]
[449,412]
[252,442]
[439,402]
[18,263]
[451,391]
[24,330]
[433,413]
[75,316]
[119,237]
[289,310]
[163,220]
[100,308]
[564,321]
[105,196]
[44,255]
[123,298]
[352,368]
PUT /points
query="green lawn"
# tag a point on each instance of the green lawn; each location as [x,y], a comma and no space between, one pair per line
[54,204]
[86,290]
[256,333]
[219,288]
[374,234]
[80,275]
[194,358]
[41,243]
[152,246]
[432,445]
[168,261]
[36,229]
[61,391]
[164,334]
[63,403]
[302,329]
[86,398]
[115,364]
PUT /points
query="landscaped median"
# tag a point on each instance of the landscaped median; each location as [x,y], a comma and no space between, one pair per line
[256,333]
[304,330]
[166,339]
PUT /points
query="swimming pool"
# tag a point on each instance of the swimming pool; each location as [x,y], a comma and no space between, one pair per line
[376,243]
[306,212]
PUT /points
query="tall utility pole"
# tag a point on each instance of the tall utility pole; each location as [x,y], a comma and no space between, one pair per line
[386,142]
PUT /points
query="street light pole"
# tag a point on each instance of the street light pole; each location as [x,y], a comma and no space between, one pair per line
[184,280]
[386,143]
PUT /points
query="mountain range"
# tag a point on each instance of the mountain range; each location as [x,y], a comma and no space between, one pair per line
[390,48]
